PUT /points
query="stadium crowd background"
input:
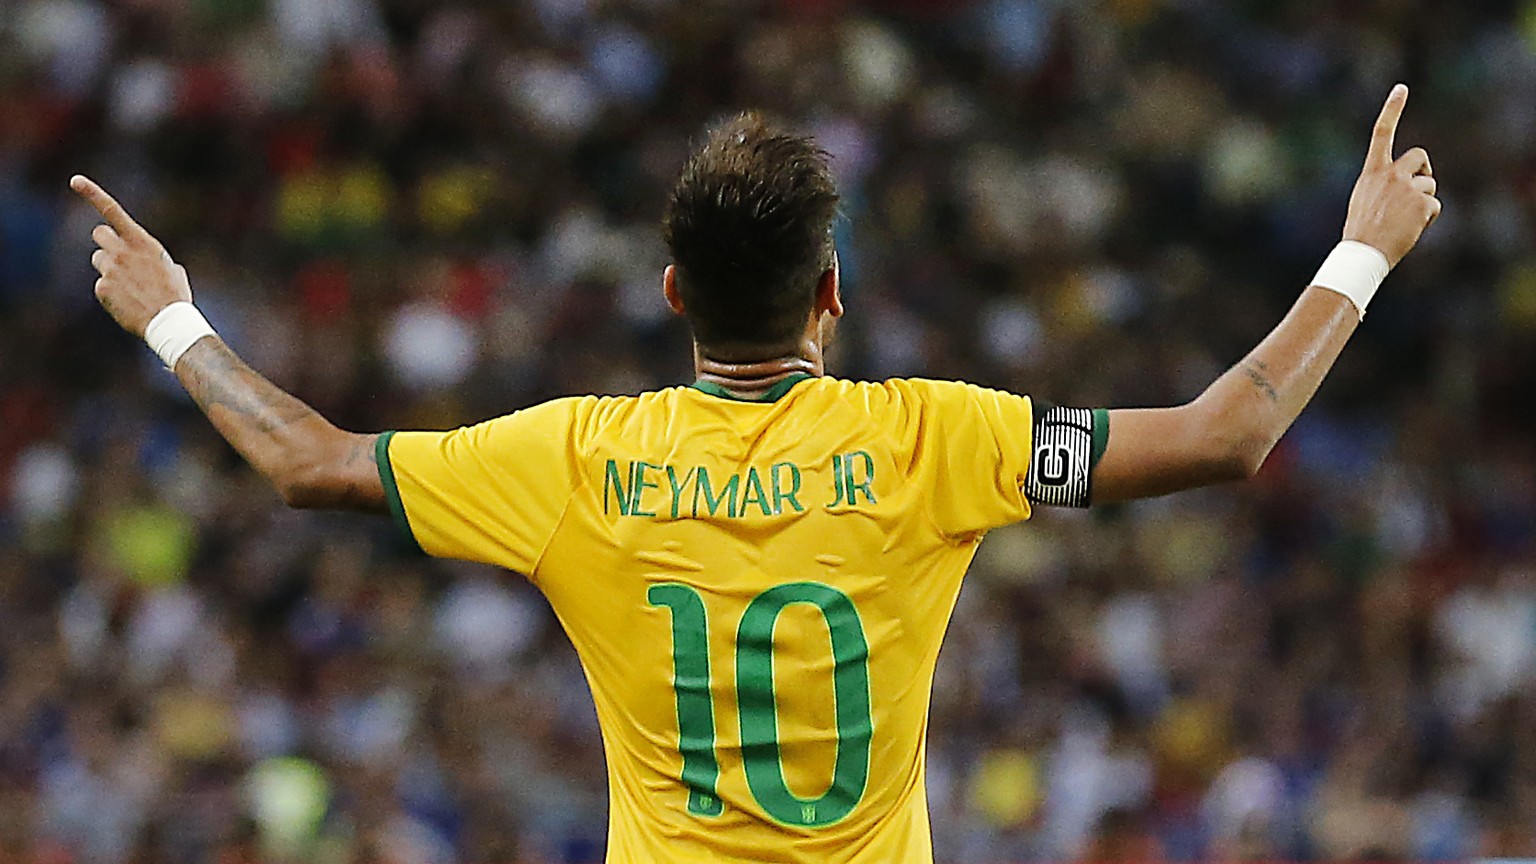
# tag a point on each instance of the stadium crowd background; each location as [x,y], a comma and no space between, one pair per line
[422,214]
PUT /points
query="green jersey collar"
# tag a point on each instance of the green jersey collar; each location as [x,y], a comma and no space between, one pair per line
[774,394]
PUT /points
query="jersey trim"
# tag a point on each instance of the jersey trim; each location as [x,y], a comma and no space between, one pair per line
[774,394]
[392,491]
[1100,438]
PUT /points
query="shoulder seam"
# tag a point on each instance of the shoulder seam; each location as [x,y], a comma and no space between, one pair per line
[577,430]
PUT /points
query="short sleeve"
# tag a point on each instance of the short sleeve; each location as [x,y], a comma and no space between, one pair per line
[492,493]
[982,439]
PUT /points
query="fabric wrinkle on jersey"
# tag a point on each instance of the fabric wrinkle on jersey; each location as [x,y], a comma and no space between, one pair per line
[757,591]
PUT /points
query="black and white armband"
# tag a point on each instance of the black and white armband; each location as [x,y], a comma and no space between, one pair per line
[1067,445]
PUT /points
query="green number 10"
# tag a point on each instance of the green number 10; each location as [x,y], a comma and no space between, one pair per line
[757,707]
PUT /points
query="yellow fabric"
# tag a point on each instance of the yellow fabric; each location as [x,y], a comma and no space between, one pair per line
[874,492]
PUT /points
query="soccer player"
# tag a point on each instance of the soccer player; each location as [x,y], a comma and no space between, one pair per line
[757,570]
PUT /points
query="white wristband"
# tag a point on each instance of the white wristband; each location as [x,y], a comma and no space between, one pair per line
[1355,270]
[175,329]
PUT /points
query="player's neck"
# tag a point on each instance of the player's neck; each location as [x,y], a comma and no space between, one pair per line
[752,378]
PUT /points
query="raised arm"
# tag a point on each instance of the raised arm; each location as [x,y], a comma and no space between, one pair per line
[1230,429]
[309,461]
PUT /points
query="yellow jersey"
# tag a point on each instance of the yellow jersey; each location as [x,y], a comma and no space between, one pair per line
[757,591]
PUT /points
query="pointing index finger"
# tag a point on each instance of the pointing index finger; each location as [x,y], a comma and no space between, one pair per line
[109,209]
[1385,133]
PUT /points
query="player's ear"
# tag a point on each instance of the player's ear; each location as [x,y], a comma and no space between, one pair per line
[829,291]
[669,289]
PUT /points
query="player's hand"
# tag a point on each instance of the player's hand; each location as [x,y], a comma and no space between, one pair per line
[138,277]
[1394,200]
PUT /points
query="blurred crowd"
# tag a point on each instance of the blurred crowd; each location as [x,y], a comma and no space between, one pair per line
[421,214]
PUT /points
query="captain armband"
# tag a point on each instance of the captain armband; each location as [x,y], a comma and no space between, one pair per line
[1067,444]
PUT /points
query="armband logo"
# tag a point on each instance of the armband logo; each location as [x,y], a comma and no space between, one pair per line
[1063,445]
[1053,465]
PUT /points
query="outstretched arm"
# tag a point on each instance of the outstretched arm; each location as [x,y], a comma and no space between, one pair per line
[1227,433]
[309,461]
[1230,429]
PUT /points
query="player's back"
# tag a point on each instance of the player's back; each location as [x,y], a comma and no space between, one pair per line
[757,591]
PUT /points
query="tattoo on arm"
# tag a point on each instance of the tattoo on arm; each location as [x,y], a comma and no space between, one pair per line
[222,380]
[311,461]
[1256,371]
[363,491]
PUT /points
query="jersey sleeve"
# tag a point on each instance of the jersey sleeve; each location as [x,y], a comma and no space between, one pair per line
[982,439]
[492,493]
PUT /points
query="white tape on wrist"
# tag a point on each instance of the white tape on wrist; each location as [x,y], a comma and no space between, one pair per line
[175,329]
[1355,270]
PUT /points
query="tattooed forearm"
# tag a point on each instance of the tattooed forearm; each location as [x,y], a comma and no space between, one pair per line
[221,382]
[1229,431]
[1259,398]
[1256,371]
[310,461]
[362,490]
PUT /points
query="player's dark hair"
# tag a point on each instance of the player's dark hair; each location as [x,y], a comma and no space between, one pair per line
[749,226]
